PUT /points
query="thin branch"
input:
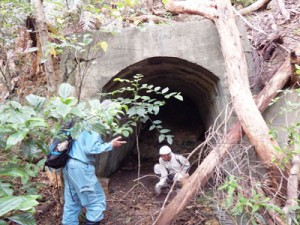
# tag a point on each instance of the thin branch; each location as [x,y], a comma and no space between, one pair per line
[283,10]
[248,23]
[146,18]
[145,177]
[254,7]
[201,8]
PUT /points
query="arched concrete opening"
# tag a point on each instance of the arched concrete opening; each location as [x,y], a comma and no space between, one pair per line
[188,120]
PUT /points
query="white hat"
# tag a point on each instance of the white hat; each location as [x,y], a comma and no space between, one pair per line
[164,150]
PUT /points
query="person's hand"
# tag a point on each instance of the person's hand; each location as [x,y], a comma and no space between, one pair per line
[157,188]
[116,142]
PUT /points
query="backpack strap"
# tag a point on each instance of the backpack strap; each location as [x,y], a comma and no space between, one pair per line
[79,160]
[178,160]
[181,163]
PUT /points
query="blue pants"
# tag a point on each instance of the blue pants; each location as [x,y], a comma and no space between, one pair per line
[82,190]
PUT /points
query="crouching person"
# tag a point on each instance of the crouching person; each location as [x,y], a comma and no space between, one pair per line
[171,168]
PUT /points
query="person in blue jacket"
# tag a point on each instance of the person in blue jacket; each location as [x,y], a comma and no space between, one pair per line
[82,189]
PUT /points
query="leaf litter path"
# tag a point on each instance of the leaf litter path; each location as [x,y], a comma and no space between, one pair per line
[127,203]
[132,204]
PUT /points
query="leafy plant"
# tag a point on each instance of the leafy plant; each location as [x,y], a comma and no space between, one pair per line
[248,207]
[135,95]
[18,204]
[25,131]
[290,128]
[141,106]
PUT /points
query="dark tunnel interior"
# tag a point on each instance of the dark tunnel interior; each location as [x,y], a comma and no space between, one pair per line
[189,119]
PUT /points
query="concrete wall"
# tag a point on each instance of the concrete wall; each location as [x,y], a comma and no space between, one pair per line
[284,113]
[185,57]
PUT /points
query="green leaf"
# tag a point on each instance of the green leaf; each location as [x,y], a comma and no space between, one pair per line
[69,101]
[164,2]
[36,101]
[165,90]
[6,130]
[3,222]
[170,95]
[141,112]
[63,110]
[23,203]
[42,146]
[157,122]
[87,41]
[156,110]
[152,127]
[5,189]
[23,219]
[36,122]
[161,138]
[132,111]
[65,90]
[14,171]
[163,131]
[145,98]
[170,139]
[125,133]
[15,105]
[29,149]
[15,138]
[255,208]
[94,103]
[99,128]
[179,97]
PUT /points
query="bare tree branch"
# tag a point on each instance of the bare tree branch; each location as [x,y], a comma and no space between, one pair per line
[254,7]
[202,8]
[283,10]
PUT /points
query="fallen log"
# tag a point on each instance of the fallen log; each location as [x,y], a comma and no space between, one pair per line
[254,7]
[215,157]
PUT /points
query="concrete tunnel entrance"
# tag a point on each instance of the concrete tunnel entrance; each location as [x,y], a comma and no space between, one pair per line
[188,120]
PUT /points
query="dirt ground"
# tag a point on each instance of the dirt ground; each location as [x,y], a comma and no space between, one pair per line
[128,202]
[137,204]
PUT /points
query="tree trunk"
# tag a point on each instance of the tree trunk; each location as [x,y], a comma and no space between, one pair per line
[43,33]
[214,158]
[292,188]
[236,67]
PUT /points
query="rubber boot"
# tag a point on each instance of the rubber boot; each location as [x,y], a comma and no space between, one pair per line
[92,223]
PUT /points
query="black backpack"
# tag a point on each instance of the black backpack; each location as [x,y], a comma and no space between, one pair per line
[60,147]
